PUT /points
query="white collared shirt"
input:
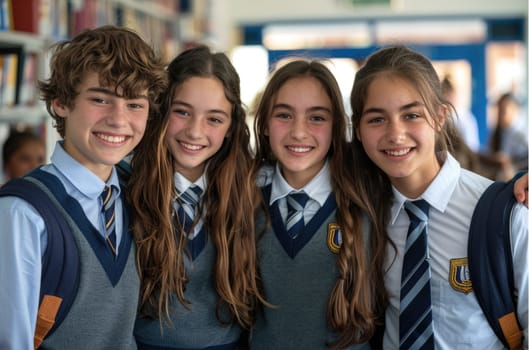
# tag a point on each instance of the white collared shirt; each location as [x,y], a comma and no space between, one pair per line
[458,320]
[318,189]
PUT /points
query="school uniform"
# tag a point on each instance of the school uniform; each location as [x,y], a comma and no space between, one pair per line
[103,311]
[458,321]
[298,274]
[198,326]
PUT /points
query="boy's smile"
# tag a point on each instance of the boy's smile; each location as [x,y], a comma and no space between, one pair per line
[102,128]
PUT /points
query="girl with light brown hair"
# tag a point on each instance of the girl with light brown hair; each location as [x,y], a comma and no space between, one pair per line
[194,202]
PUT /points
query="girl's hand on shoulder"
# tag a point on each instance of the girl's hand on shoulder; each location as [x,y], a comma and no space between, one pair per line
[520,190]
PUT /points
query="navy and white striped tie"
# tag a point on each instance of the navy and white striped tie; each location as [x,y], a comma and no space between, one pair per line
[296,204]
[108,199]
[415,320]
[188,206]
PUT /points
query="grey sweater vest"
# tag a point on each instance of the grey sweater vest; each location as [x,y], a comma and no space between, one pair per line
[197,327]
[299,288]
[102,316]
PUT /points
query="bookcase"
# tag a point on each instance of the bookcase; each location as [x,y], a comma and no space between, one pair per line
[29,27]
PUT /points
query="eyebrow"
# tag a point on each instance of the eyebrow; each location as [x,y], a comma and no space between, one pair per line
[311,109]
[102,90]
[111,92]
[401,109]
[185,104]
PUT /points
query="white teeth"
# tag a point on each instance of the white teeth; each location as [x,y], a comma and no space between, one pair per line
[299,149]
[111,139]
[190,146]
[399,152]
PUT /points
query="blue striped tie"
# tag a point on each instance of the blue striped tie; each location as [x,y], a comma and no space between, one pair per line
[296,203]
[416,329]
[108,200]
[188,205]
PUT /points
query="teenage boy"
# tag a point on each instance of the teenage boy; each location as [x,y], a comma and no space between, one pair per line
[102,88]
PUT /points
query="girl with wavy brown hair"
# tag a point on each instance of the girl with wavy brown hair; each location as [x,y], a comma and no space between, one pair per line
[194,203]
[324,280]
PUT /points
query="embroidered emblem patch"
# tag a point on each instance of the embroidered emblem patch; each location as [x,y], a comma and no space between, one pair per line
[334,238]
[460,275]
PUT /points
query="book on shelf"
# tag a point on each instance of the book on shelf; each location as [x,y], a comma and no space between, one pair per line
[5,15]
[26,15]
[53,19]
[60,19]
[47,18]
[84,17]
[9,82]
[12,67]
[28,84]
[105,12]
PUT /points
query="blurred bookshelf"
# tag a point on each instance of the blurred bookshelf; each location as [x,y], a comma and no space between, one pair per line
[29,27]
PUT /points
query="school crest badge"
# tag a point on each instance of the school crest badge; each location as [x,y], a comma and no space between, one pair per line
[460,275]
[334,238]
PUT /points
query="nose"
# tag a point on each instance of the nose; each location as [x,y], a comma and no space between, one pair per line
[396,131]
[194,127]
[299,128]
[117,115]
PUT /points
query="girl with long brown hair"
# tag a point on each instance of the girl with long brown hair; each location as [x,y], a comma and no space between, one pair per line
[403,126]
[325,280]
[194,199]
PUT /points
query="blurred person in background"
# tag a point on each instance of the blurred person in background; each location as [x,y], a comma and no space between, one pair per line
[508,138]
[465,122]
[22,151]
[466,145]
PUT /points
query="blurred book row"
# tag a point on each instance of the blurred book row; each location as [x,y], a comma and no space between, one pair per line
[53,20]
[63,18]
[18,76]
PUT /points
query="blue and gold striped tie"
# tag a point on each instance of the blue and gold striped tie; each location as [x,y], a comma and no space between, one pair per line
[415,321]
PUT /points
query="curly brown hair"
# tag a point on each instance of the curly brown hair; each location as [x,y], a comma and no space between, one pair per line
[120,57]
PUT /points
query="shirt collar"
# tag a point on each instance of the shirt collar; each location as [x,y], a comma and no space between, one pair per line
[318,188]
[438,192]
[182,184]
[90,185]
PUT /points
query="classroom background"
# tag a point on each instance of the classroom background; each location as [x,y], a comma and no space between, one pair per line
[479,47]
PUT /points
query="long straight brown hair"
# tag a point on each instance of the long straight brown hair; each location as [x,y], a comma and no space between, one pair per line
[227,207]
[353,302]
[404,63]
